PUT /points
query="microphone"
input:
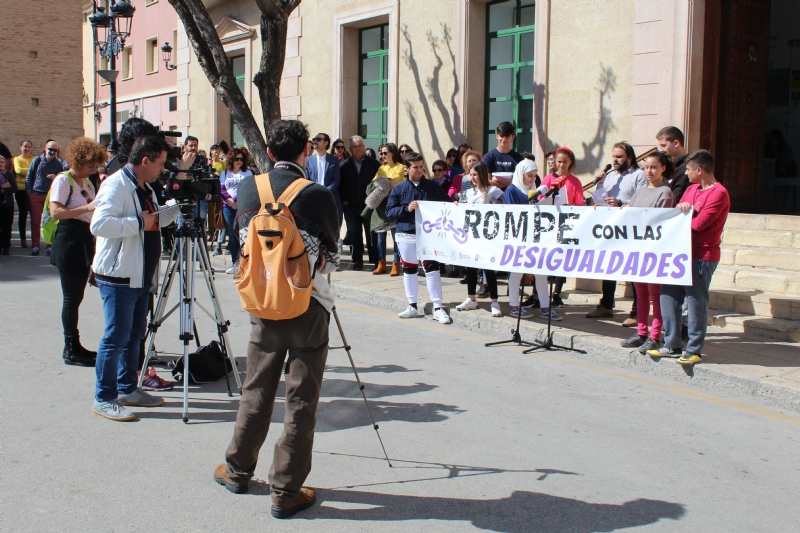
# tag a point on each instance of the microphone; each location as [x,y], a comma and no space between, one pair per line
[547,191]
[605,171]
[533,194]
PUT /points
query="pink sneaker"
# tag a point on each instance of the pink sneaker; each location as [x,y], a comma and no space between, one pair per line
[153,382]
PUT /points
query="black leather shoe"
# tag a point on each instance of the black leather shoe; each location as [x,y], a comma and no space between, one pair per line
[72,356]
[358,266]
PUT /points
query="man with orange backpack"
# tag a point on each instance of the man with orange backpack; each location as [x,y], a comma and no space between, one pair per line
[289,230]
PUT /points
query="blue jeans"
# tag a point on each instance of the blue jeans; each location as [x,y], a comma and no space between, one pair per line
[125,314]
[696,295]
[233,238]
[382,246]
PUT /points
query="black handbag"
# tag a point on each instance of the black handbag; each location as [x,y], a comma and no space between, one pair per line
[207,365]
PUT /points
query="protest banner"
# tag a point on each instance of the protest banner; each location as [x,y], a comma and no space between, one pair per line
[631,244]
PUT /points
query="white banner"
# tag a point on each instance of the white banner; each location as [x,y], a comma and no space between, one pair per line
[630,244]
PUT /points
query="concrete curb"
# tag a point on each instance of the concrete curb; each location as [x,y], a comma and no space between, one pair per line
[599,349]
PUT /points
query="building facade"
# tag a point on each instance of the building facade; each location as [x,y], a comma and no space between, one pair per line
[42,85]
[577,73]
[145,87]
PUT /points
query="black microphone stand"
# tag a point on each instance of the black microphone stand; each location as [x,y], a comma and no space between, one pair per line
[547,343]
[516,338]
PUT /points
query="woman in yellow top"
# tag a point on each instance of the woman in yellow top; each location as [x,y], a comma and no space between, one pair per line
[395,170]
[21,165]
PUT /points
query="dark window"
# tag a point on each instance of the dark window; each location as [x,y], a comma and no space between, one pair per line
[173,103]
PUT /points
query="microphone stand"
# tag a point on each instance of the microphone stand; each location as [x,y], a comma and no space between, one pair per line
[547,343]
[516,338]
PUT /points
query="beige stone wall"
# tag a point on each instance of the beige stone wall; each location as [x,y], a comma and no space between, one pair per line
[591,68]
[53,77]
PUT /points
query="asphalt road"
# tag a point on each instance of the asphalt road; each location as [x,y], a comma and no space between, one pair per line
[480,438]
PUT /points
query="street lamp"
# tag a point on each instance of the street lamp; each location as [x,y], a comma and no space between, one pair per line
[110,32]
[166,55]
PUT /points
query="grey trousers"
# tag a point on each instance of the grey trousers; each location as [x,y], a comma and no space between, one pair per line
[305,339]
[696,295]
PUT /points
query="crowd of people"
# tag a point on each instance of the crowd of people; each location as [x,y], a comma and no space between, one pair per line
[378,197]
[375,196]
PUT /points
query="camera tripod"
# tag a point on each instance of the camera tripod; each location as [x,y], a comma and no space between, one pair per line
[188,254]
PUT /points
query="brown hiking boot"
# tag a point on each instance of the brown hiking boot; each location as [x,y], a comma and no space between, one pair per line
[304,500]
[600,312]
[221,476]
[380,268]
[396,270]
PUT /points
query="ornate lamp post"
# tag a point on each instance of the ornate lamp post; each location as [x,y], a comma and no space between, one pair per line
[110,32]
[166,55]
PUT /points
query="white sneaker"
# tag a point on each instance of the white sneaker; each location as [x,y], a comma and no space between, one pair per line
[410,312]
[229,271]
[496,312]
[467,305]
[441,316]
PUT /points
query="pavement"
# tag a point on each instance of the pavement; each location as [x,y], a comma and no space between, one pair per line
[481,439]
[743,364]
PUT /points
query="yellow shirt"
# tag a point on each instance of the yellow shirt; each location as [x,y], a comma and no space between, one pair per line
[219,166]
[21,166]
[395,173]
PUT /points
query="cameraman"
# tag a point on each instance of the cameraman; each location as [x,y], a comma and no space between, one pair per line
[305,337]
[126,265]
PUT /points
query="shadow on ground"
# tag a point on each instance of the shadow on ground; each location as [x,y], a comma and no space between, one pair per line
[521,512]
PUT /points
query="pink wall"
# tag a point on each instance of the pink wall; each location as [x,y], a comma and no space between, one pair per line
[157,19]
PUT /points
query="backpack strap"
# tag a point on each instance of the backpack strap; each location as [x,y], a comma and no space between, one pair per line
[266,196]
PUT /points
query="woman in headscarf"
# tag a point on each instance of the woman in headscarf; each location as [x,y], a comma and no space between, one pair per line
[525,180]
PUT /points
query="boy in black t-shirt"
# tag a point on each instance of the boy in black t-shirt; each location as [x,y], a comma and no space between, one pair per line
[502,161]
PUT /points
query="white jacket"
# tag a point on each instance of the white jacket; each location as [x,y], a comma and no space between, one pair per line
[119,249]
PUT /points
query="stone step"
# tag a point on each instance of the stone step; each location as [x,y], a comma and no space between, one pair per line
[768,258]
[757,279]
[736,322]
[750,302]
[763,222]
[762,238]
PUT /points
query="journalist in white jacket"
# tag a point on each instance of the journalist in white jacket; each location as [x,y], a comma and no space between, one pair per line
[126,260]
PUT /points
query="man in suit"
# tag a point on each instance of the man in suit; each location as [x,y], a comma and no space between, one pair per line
[323,168]
[357,173]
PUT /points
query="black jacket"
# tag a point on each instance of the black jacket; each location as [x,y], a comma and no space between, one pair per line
[353,184]
[680,182]
[406,192]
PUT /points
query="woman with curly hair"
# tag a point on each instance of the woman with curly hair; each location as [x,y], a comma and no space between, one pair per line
[71,204]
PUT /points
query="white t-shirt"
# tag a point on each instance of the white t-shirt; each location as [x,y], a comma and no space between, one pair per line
[59,191]
[476,196]
[231,181]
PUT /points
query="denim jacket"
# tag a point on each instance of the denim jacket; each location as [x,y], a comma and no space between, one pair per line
[37,181]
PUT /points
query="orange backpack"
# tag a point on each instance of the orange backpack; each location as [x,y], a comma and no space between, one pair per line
[274,278]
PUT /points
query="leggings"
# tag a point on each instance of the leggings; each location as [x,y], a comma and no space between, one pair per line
[73,288]
[472,281]
[24,207]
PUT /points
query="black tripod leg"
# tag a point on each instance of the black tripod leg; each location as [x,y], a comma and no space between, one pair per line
[516,338]
[358,380]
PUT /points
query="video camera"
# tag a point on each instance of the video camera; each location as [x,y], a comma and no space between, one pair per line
[201,183]
[175,152]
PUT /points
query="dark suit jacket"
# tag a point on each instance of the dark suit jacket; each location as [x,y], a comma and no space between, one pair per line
[353,187]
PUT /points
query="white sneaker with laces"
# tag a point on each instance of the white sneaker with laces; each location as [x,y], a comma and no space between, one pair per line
[496,312]
[112,410]
[229,271]
[440,315]
[467,305]
[410,312]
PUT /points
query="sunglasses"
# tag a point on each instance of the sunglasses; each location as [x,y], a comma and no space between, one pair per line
[438,170]
[317,139]
[239,159]
[52,149]
[85,194]
[384,153]
[404,151]
[339,147]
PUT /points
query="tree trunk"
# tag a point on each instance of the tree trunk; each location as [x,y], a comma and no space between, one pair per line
[217,67]
[273,54]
